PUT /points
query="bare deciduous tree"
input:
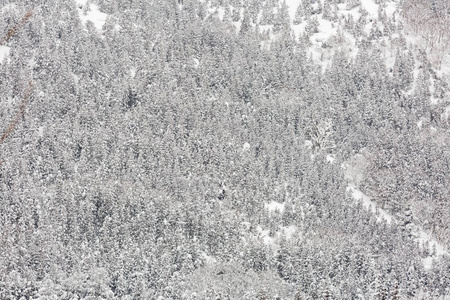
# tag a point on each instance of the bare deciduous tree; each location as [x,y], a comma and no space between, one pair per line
[430,20]
[29,90]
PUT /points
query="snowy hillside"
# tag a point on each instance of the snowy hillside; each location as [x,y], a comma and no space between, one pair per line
[224,149]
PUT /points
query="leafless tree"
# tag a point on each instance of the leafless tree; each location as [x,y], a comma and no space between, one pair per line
[430,20]
[29,90]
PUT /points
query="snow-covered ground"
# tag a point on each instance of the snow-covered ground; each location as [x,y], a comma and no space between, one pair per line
[91,12]
[4,52]
[274,206]
[273,241]
[354,176]
[369,204]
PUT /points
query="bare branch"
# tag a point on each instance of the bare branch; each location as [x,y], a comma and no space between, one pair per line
[19,113]
[16,27]
[30,88]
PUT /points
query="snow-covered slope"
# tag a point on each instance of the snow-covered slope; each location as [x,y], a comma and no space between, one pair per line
[422,237]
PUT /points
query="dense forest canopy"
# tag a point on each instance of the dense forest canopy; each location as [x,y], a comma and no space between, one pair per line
[213,149]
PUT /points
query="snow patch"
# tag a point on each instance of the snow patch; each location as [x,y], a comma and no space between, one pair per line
[4,52]
[246,147]
[91,13]
[330,158]
[326,30]
[221,13]
[289,231]
[133,72]
[446,114]
[41,131]
[370,7]
[428,263]
[308,144]
[274,206]
[355,169]
[195,62]
[425,238]
[284,231]
[292,7]
[208,259]
[369,204]
[264,235]
[390,8]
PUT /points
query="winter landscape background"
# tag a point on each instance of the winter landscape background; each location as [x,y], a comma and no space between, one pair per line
[224,149]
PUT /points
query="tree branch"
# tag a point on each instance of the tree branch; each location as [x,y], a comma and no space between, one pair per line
[19,113]
[30,88]
[16,27]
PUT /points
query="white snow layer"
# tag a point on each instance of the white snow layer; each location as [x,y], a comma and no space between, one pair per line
[91,13]
[4,52]
[369,204]
[274,206]
[284,231]
[419,234]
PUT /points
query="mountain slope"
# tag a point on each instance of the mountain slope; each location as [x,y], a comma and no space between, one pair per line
[170,150]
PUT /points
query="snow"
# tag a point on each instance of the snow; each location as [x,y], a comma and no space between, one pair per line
[41,131]
[195,63]
[4,52]
[221,12]
[420,123]
[133,72]
[264,235]
[417,232]
[446,114]
[355,13]
[428,263]
[246,147]
[308,144]
[292,7]
[389,56]
[237,24]
[7,7]
[274,206]
[208,259]
[424,237]
[391,8]
[92,14]
[370,7]
[285,231]
[289,231]
[369,204]
[326,31]
[330,158]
